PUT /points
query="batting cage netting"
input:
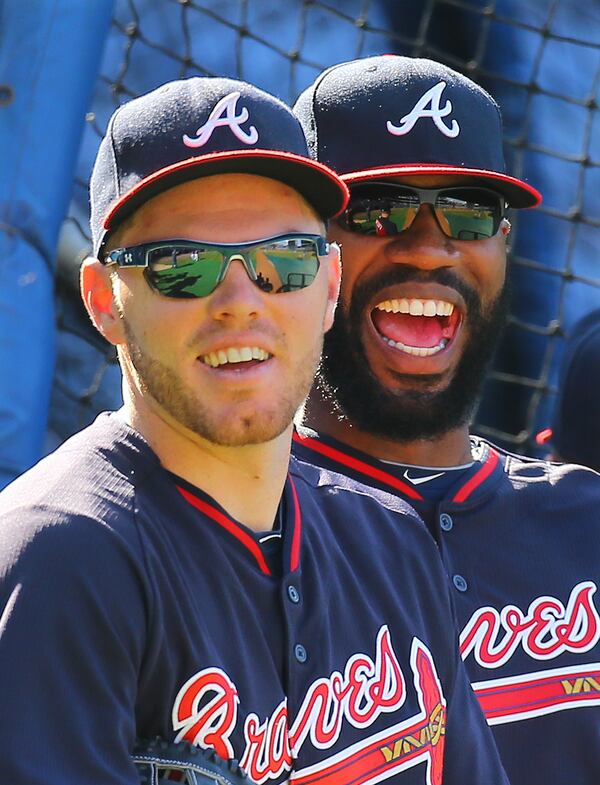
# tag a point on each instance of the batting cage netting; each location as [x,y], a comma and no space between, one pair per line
[539,58]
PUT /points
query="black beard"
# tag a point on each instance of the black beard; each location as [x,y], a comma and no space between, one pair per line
[347,382]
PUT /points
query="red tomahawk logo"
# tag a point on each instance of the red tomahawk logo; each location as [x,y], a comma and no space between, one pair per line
[418,739]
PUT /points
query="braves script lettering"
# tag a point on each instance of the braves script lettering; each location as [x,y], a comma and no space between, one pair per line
[547,629]
[432,100]
[419,739]
[227,106]
[205,713]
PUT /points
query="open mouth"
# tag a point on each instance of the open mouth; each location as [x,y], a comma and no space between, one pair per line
[419,327]
[235,356]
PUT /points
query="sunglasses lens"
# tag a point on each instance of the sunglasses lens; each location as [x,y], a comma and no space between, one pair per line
[468,214]
[462,213]
[285,265]
[382,214]
[186,272]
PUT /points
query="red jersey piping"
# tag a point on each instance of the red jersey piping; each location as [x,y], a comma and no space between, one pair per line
[295,554]
[229,525]
[478,478]
[358,465]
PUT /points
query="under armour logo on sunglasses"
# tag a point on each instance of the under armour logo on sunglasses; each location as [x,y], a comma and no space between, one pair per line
[224,114]
[430,99]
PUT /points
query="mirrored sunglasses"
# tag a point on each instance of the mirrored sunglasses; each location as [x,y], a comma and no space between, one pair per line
[385,209]
[188,269]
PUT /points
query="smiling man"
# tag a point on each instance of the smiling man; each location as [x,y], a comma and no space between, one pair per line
[421,330]
[170,571]
[422,305]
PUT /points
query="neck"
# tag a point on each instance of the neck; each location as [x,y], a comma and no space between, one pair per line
[246,481]
[449,449]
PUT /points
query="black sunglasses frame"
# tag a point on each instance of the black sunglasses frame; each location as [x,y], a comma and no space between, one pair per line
[382,192]
[138,256]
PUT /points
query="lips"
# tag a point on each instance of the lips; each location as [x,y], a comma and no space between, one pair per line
[416,326]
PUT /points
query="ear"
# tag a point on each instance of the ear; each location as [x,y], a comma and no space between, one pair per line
[334,277]
[97,295]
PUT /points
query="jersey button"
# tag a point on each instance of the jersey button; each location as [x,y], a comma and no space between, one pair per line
[459,582]
[446,522]
[300,653]
[293,594]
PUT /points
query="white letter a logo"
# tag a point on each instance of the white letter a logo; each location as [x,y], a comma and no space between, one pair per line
[431,98]
[227,105]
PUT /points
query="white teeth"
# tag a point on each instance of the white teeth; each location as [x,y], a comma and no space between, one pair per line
[234,355]
[418,351]
[416,307]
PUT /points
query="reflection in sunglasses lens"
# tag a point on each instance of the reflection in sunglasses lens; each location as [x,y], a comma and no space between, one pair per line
[461,213]
[182,271]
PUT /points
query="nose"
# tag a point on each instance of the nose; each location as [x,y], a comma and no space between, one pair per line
[237,296]
[423,244]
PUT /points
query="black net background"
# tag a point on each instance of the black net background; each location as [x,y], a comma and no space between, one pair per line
[539,58]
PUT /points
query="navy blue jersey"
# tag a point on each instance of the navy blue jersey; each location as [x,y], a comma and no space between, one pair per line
[520,540]
[133,604]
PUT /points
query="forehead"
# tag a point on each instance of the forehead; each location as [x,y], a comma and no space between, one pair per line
[211,208]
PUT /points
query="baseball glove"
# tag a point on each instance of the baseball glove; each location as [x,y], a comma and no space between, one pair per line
[158,762]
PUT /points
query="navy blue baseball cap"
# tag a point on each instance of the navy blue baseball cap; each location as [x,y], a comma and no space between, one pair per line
[391,116]
[198,127]
[575,432]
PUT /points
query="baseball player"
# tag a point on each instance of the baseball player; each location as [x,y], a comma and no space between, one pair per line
[169,572]
[419,314]
[575,432]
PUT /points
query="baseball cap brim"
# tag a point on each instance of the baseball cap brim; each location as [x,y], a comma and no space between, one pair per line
[516,192]
[317,183]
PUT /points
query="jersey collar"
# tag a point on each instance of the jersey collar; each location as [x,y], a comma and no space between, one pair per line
[217,515]
[324,450]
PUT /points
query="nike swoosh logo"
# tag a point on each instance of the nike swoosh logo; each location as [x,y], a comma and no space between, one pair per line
[421,480]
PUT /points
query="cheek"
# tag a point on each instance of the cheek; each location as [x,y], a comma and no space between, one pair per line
[301,325]
[497,272]
[489,267]
[354,253]
[159,328]
[357,258]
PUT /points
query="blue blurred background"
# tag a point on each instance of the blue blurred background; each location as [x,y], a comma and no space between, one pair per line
[539,58]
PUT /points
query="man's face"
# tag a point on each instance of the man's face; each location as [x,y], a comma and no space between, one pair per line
[418,319]
[187,359]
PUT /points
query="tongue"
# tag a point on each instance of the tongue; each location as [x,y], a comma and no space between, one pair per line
[422,331]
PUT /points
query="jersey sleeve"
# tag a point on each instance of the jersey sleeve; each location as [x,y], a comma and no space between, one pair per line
[72,627]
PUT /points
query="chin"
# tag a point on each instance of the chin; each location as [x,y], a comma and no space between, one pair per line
[242,430]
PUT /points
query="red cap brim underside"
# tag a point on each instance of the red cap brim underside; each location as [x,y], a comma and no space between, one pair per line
[517,192]
[319,184]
